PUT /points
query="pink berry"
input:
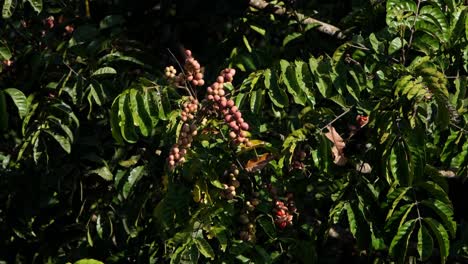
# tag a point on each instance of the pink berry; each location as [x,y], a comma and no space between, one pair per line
[232,134]
[244,126]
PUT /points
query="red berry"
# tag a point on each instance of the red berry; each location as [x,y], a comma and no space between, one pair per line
[244,126]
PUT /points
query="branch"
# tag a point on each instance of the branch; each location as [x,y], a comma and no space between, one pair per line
[323,27]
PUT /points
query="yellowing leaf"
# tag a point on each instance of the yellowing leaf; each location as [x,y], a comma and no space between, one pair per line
[258,163]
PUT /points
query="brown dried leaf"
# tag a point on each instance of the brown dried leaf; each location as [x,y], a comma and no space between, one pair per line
[338,146]
[336,139]
[258,163]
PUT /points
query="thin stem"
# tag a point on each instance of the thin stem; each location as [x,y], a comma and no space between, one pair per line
[336,118]
[412,29]
[460,128]
[359,46]
[416,202]
[74,72]
[191,93]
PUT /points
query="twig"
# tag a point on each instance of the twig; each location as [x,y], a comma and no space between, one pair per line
[461,129]
[278,10]
[72,70]
[183,72]
[410,42]
[359,46]
[336,118]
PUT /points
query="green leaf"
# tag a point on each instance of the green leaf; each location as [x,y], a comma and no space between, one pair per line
[5,53]
[401,214]
[433,15]
[256,100]
[104,172]
[7,10]
[398,194]
[127,128]
[358,226]
[63,141]
[277,96]
[88,261]
[395,45]
[135,175]
[445,212]
[259,30]
[436,191]
[291,82]
[291,37]
[442,237]
[111,21]
[104,71]
[114,121]
[425,243]
[36,5]
[137,113]
[399,244]
[402,166]
[19,99]
[466,27]
[266,223]
[59,124]
[376,45]
[246,43]
[3,112]
[204,248]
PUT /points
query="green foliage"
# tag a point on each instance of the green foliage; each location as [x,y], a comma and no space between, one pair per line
[357,148]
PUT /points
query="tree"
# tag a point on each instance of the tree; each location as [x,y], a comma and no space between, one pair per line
[227,131]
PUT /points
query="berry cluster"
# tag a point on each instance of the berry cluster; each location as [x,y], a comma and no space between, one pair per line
[230,189]
[187,132]
[49,22]
[193,70]
[232,115]
[298,160]
[190,108]
[362,120]
[248,218]
[283,213]
[170,72]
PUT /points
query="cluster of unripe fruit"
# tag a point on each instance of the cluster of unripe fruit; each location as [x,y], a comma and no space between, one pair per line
[193,70]
[229,191]
[247,219]
[298,159]
[192,73]
[170,72]
[231,114]
[283,213]
[187,132]
[189,109]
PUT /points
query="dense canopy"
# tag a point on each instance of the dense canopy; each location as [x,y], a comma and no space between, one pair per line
[233,131]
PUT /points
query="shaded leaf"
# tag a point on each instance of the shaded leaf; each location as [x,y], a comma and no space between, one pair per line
[19,99]
[204,248]
[442,237]
[425,243]
[399,244]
